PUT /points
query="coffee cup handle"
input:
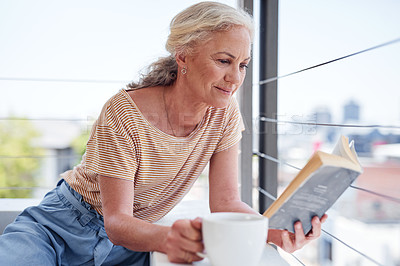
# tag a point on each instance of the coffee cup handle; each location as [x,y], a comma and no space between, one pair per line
[201,255]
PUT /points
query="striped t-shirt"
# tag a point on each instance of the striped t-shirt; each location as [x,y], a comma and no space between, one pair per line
[123,144]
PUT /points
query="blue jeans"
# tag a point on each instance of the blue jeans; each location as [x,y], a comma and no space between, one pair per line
[63,230]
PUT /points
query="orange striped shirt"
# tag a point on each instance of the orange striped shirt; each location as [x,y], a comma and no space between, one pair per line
[123,144]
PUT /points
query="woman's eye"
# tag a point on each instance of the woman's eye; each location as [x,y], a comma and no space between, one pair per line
[224,61]
[244,66]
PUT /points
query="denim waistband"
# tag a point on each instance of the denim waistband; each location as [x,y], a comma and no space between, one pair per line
[90,217]
[88,214]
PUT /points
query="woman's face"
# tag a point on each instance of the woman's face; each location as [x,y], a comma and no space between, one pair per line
[217,67]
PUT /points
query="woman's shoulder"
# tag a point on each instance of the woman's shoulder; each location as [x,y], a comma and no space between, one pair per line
[145,97]
[147,100]
[141,94]
[116,106]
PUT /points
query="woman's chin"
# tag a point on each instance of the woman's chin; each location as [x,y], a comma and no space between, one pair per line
[221,103]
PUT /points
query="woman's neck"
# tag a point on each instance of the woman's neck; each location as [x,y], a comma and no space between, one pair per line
[184,111]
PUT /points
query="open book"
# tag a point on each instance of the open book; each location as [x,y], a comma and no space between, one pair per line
[316,187]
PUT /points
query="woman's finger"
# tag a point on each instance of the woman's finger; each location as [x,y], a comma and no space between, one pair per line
[185,237]
[184,240]
[197,223]
[186,230]
[288,241]
[316,228]
[324,218]
[300,238]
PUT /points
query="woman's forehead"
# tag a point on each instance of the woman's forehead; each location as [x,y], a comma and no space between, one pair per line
[233,43]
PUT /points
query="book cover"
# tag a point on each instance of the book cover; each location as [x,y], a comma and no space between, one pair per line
[316,188]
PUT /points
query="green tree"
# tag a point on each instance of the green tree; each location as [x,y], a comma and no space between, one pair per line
[79,144]
[17,157]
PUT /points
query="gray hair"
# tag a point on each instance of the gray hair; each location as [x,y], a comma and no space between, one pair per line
[191,26]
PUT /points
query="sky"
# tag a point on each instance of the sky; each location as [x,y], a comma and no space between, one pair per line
[313,32]
[114,40]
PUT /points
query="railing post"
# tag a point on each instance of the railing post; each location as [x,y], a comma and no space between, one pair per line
[268,139]
[246,146]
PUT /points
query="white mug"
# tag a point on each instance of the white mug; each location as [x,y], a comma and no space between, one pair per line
[234,239]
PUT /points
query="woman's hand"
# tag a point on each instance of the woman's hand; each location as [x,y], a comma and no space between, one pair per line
[184,240]
[291,242]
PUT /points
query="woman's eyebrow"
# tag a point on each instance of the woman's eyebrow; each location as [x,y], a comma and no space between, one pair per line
[232,56]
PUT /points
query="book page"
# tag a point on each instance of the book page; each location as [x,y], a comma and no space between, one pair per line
[336,150]
[346,150]
[353,151]
[340,148]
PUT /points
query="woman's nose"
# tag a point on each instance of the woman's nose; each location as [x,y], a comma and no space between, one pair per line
[233,76]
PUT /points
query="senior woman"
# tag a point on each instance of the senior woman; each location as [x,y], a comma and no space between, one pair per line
[146,149]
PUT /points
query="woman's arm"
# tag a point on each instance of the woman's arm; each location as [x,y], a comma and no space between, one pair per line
[183,238]
[224,196]
[223,179]
[121,227]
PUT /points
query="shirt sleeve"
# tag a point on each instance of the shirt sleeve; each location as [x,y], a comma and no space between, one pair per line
[233,127]
[109,151]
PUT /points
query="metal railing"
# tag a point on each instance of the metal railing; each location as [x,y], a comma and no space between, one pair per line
[264,119]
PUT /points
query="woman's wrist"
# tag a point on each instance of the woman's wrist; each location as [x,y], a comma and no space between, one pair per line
[274,237]
[161,235]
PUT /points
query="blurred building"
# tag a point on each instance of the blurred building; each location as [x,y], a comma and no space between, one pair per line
[322,115]
[351,112]
[56,141]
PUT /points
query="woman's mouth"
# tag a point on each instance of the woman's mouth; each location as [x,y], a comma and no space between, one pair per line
[224,90]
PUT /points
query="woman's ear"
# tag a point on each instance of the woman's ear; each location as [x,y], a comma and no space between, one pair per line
[180,59]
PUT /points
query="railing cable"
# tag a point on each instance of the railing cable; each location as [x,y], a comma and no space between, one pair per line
[259,83]
[271,120]
[362,254]
[39,156]
[377,194]
[296,258]
[45,119]
[265,156]
[63,80]
[265,193]
[24,188]
[328,62]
